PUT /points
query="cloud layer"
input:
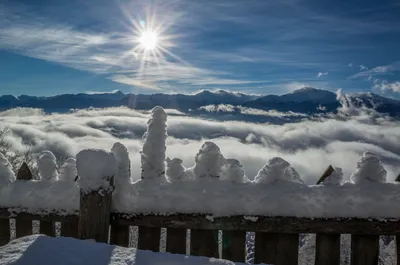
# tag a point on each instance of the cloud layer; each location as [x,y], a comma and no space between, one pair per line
[310,146]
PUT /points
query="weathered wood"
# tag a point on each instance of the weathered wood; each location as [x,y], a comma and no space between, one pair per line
[69,228]
[233,245]
[149,238]
[24,173]
[119,235]
[176,240]
[13,213]
[94,215]
[327,251]
[47,228]
[5,233]
[398,249]
[23,226]
[204,243]
[364,249]
[277,249]
[326,174]
[276,224]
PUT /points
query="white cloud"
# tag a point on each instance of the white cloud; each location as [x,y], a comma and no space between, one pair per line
[310,146]
[379,70]
[350,65]
[321,74]
[384,85]
[363,67]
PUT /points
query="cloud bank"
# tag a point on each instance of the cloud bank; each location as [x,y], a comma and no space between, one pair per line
[310,146]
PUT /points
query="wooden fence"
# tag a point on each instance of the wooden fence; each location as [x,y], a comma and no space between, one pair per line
[276,238]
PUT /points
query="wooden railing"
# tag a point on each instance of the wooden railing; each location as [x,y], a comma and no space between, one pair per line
[276,238]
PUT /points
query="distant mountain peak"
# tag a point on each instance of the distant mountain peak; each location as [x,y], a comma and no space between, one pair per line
[307,89]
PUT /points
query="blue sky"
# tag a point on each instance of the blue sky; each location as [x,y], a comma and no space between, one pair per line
[263,47]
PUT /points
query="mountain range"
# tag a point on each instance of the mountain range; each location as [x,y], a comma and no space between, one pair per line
[305,100]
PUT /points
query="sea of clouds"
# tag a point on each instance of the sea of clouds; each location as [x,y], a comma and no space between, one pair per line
[310,145]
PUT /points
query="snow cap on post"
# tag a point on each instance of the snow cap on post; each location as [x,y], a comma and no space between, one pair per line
[209,161]
[47,166]
[233,171]
[95,169]
[68,171]
[335,178]
[277,170]
[175,170]
[121,155]
[369,169]
[7,174]
[153,154]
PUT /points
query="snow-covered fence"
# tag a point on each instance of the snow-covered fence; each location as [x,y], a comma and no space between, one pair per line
[94,197]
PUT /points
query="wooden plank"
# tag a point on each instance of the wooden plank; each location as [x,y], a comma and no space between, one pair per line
[23,227]
[277,249]
[234,245]
[149,238]
[47,228]
[176,240]
[204,243]
[288,225]
[364,249]
[5,233]
[327,251]
[13,213]
[119,235]
[94,215]
[69,228]
[326,174]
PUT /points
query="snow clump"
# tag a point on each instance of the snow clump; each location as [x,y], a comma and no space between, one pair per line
[95,169]
[47,166]
[233,171]
[335,178]
[68,171]
[175,170]
[209,161]
[153,154]
[277,170]
[369,169]
[123,163]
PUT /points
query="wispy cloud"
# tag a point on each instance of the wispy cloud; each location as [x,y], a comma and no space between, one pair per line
[321,74]
[363,67]
[379,70]
[350,65]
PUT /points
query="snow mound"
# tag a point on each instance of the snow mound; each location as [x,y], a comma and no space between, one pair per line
[209,161]
[153,154]
[47,166]
[277,170]
[68,171]
[335,178]
[95,168]
[7,174]
[233,171]
[175,170]
[40,249]
[123,162]
[369,169]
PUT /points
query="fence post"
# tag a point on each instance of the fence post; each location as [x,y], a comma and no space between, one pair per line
[327,246]
[96,169]
[23,227]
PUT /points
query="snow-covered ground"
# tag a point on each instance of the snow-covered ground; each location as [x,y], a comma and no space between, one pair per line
[43,250]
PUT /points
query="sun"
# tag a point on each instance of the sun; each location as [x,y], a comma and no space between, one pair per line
[149,40]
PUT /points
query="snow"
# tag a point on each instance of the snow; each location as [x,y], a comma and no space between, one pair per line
[335,178]
[153,154]
[369,169]
[47,166]
[6,171]
[233,171]
[68,171]
[95,169]
[175,170]
[277,170]
[209,161]
[43,250]
[123,163]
